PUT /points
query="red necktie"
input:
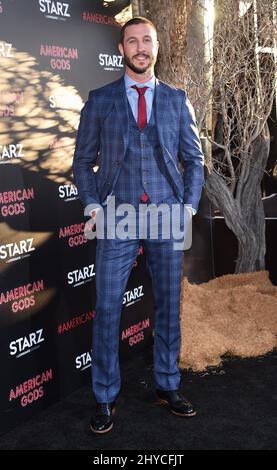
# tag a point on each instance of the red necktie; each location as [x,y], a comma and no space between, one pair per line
[142,120]
[142,115]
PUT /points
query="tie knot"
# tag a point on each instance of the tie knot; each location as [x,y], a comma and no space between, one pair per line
[140,90]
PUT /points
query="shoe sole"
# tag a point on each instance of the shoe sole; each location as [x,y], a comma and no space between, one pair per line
[166,403]
[102,432]
[106,430]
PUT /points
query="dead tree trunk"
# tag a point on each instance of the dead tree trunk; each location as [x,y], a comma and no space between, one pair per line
[244,213]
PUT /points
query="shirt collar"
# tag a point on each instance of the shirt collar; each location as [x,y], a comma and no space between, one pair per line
[130,82]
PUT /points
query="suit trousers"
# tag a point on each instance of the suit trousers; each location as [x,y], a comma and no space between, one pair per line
[114,262]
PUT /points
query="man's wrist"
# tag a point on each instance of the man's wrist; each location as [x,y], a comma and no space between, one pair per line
[193,211]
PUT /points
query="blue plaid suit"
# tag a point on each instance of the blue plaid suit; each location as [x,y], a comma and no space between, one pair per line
[104,128]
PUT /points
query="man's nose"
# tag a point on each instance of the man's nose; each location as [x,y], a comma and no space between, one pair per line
[141,46]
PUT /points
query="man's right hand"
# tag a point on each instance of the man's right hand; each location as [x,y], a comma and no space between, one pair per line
[93,215]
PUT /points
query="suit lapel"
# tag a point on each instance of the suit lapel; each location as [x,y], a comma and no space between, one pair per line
[121,105]
[162,116]
[161,106]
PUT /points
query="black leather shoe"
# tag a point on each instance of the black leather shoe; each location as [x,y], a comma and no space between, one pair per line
[102,420]
[176,402]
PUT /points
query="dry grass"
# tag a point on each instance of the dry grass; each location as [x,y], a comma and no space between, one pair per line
[234,314]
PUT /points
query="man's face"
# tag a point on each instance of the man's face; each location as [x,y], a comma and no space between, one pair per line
[140,47]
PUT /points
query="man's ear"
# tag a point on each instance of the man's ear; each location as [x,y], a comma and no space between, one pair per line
[120,47]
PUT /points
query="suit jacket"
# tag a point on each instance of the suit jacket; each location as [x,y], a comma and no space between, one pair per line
[104,128]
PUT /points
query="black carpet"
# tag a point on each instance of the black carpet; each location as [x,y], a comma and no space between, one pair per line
[236,404]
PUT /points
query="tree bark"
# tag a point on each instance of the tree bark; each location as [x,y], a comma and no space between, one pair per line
[170,18]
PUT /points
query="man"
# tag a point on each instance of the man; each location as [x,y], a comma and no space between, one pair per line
[141,127]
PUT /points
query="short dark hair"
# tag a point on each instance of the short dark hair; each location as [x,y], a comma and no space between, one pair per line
[135,20]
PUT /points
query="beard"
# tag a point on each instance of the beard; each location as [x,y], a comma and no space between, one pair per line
[140,70]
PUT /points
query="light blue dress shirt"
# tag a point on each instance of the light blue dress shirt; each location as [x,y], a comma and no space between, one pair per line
[133,95]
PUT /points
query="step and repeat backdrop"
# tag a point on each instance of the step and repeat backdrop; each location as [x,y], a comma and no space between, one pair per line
[52,53]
